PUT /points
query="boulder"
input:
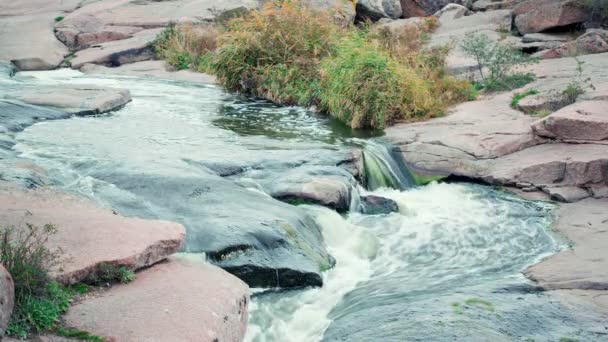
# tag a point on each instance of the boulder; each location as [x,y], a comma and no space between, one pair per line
[7,299]
[420,8]
[582,267]
[115,53]
[491,5]
[28,41]
[182,299]
[78,99]
[377,9]
[89,236]
[544,103]
[568,194]
[376,205]
[452,11]
[79,32]
[592,42]
[534,16]
[582,121]
[395,27]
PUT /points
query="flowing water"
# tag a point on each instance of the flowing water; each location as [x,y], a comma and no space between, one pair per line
[446,267]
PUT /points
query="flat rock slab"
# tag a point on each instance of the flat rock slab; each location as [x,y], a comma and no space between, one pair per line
[89,235]
[7,299]
[29,42]
[152,69]
[182,299]
[77,99]
[585,266]
[118,52]
[582,121]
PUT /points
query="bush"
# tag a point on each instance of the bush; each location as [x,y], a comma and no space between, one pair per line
[110,273]
[499,60]
[183,46]
[293,55]
[39,302]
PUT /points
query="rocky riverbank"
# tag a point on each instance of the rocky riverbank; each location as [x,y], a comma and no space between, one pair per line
[561,157]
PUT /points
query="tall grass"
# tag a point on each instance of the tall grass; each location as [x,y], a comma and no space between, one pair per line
[291,54]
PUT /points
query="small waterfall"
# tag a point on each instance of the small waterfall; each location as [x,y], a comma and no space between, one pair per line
[384,167]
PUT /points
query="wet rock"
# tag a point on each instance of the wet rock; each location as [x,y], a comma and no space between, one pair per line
[182,299]
[115,53]
[534,16]
[154,69]
[87,235]
[263,241]
[583,267]
[353,163]
[328,186]
[74,99]
[377,9]
[7,299]
[7,70]
[16,116]
[22,172]
[375,205]
[582,121]
[28,41]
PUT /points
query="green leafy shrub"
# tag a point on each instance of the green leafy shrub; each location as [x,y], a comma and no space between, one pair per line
[293,55]
[183,46]
[496,62]
[39,302]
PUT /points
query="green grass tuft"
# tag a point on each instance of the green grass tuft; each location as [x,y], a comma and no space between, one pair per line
[519,96]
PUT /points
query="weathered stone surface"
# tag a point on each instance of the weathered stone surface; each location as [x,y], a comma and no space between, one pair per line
[28,41]
[547,37]
[566,194]
[453,11]
[79,32]
[582,121]
[584,266]
[87,235]
[27,7]
[377,9]
[547,103]
[81,99]
[7,299]
[593,41]
[420,8]
[539,15]
[182,299]
[394,27]
[154,69]
[115,53]
[489,5]
[374,205]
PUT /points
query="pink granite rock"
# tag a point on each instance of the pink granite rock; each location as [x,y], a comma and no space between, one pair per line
[88,235]
[182,299]
[582,121]
[7,299]
[539,15]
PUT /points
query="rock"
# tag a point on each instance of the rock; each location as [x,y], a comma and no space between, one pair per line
[7,70]
[452,11]
[540,103]
[394,27]
[490,5]
[28,41]
[377,9]
[344,11]
[552,165]
[567,194]
[79,32]
[27,7]
[583,267]
[328,186]
[115,53]
[534,16]
[16,116]
[421,8]
[547,37]
[582,121]
[376,205]
[263,241]
[593,41]
[89,236]
[22,172]
[7,299]
[182,299]
[154,69]
[80,99]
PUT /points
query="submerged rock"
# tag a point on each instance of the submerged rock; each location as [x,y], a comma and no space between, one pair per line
[375,205]
[7,299]
[263,241]
[182,299]
[89,236]
[16,116]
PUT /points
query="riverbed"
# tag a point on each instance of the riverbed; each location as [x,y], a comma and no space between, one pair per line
[445,267]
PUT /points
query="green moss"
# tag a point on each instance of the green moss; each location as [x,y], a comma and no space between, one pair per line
[568,339]
[425,180]
[80,335]
[480,303]
[58,19]
[519,96]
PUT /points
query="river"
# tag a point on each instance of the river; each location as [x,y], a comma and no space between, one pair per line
[445,267]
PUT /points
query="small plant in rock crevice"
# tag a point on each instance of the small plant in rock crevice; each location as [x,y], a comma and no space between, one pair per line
[496,62]
[519,96]
[109,273]
[578,85]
